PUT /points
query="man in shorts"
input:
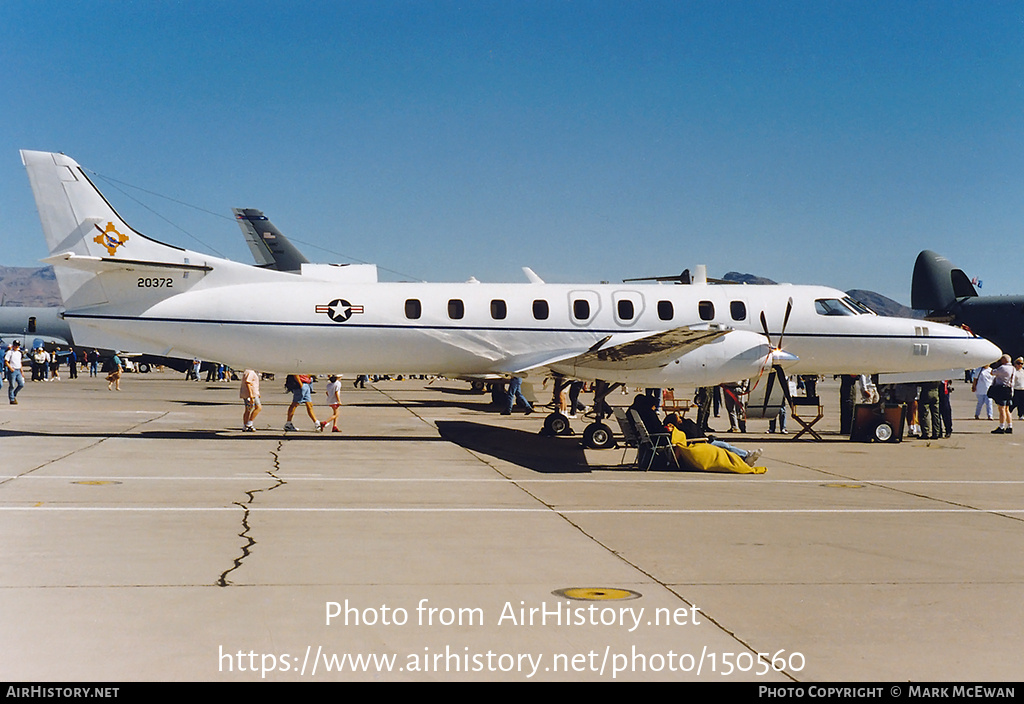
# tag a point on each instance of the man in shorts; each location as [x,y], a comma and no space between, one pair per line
[250,395]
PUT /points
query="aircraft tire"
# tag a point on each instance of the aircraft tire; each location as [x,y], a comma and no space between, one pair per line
[143,367]
[556,424]
[598,436]
[883,432]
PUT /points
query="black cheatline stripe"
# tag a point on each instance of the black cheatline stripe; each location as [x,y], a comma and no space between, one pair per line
[347,324]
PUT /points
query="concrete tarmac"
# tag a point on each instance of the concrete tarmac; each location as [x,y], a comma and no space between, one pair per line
[145,537]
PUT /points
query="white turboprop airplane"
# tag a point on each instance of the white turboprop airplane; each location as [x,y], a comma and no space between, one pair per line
[123,289]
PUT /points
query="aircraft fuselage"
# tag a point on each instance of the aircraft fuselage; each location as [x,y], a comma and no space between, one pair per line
[321,327]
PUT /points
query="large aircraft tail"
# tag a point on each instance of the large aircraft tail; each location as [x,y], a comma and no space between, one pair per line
[270,248]
[936,284]
[86,237]
[77,218]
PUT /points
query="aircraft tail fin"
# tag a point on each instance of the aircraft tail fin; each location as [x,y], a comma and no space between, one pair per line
[270,248]
[80,225]
[937,284]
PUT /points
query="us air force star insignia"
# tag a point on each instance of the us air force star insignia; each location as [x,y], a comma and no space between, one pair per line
[110,238]
[339,310]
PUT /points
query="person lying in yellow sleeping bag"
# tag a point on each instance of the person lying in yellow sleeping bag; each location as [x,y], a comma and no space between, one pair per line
[702,455]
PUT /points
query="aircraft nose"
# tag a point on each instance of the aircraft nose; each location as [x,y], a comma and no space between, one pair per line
[979,351]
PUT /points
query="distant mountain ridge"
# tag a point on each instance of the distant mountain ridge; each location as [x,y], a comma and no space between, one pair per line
[884,305]
[29,286]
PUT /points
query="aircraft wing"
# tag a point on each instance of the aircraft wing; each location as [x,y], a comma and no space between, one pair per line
[646,351]
[655,350]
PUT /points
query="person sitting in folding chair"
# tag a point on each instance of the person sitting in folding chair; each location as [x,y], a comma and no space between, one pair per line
[694,433]
[653,439]
[698,453]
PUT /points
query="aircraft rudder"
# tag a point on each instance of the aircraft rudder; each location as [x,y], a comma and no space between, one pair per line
[269,247]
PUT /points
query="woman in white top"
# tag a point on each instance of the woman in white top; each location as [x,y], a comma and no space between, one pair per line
[334,400]
[1002,394]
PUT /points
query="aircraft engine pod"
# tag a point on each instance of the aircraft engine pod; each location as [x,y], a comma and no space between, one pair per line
[740,354]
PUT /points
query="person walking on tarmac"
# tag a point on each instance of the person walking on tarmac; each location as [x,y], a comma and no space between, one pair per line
[249,392]
[301,387]
[515,394]
[334,401]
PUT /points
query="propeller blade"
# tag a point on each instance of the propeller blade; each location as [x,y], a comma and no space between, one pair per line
[784,383]
[764,326]
[785,322]
[767,393]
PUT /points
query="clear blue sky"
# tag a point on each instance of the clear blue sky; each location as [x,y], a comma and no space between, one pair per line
[812,142]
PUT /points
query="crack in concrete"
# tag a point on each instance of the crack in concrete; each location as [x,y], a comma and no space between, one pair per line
[248,540]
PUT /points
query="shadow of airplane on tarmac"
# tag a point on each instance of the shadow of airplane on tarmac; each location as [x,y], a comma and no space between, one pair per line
[547,455]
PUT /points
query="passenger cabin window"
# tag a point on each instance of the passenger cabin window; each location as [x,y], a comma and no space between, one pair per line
[706,310]
[625,309]
[581,309]
[413,309]
[665,310]
[831,306]
[540,309]
[499,311]
[456,309]
[738,310]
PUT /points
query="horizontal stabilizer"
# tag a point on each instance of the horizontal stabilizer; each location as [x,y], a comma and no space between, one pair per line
[102,264]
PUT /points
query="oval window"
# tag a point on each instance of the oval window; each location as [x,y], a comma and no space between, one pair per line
[413,309]
[706,310]
[456,309]
[540,309]
[499,311]
[581,309]
[665,310]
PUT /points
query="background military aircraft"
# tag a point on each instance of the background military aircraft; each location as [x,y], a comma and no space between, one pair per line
[950,297]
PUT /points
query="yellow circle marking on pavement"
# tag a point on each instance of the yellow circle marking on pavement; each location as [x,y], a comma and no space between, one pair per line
[596,593]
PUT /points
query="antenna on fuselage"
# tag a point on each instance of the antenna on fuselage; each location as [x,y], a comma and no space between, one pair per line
[531,276]
[699,276]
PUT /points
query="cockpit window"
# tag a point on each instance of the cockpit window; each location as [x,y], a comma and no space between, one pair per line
[858,306]
[832,306]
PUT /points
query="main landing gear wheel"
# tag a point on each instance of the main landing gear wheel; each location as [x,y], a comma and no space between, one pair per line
[556,424]
[598,436]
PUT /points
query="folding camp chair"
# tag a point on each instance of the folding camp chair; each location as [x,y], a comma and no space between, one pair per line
[650,445]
